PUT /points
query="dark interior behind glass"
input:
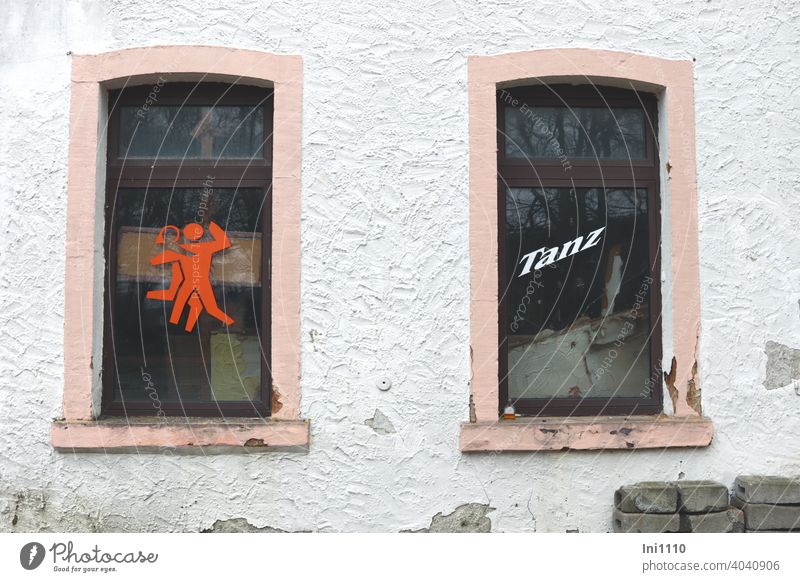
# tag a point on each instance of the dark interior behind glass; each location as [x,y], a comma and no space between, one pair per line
[188,169]
[580,272]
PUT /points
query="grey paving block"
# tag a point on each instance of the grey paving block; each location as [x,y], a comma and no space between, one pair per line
[646,522]
[702,496]
[647,497]
[767,489]
[761,516]
[730,520]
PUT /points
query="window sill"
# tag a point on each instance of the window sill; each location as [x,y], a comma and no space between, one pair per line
[587,433]
[185,435]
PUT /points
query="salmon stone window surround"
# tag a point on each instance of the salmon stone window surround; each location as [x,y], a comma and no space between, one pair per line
[682,423]
[93,76]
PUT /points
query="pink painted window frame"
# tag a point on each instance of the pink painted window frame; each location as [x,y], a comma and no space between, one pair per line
[92,76]
[673,81]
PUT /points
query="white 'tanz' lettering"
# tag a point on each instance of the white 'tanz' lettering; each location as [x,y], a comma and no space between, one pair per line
[550,255]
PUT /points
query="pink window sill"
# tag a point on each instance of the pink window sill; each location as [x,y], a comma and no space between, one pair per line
[201,435]
[587,433]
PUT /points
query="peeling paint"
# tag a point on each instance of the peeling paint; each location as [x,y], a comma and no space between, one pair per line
[468,518]
[669,379]
[693,391]
[276,403]
[239,525]
[472,416]
[33,511]
[380,423]
[313,334]
[783,365]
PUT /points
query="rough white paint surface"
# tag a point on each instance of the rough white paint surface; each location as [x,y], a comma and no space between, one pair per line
[385,263]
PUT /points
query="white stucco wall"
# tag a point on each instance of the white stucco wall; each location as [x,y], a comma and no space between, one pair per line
[385,285]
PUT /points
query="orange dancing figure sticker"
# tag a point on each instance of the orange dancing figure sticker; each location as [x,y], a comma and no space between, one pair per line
[191,273]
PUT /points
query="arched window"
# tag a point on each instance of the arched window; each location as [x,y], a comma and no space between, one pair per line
[188,244]
[569,197]
[579,250]
[174,287]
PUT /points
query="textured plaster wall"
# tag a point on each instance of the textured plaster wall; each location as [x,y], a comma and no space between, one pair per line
[385,263]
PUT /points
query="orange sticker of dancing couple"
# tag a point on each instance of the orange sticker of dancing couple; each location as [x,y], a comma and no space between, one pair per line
[191,272]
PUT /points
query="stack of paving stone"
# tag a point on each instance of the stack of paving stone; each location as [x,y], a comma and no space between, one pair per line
[769,503]
[680,506]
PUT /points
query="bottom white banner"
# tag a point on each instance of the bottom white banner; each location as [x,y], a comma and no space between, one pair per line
[34,556]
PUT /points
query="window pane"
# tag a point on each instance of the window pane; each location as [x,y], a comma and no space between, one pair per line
[576,132]
[176,360]
[191,132]
[578,293]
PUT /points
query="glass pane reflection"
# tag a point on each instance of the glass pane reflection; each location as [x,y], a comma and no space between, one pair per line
[576,132]
[578,320]
[156,357]
[191,132]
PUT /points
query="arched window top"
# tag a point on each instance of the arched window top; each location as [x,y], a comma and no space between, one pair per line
[579,65]
[584,124]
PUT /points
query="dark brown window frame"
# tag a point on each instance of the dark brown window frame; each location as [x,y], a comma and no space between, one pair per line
[175,173]
[550,172]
